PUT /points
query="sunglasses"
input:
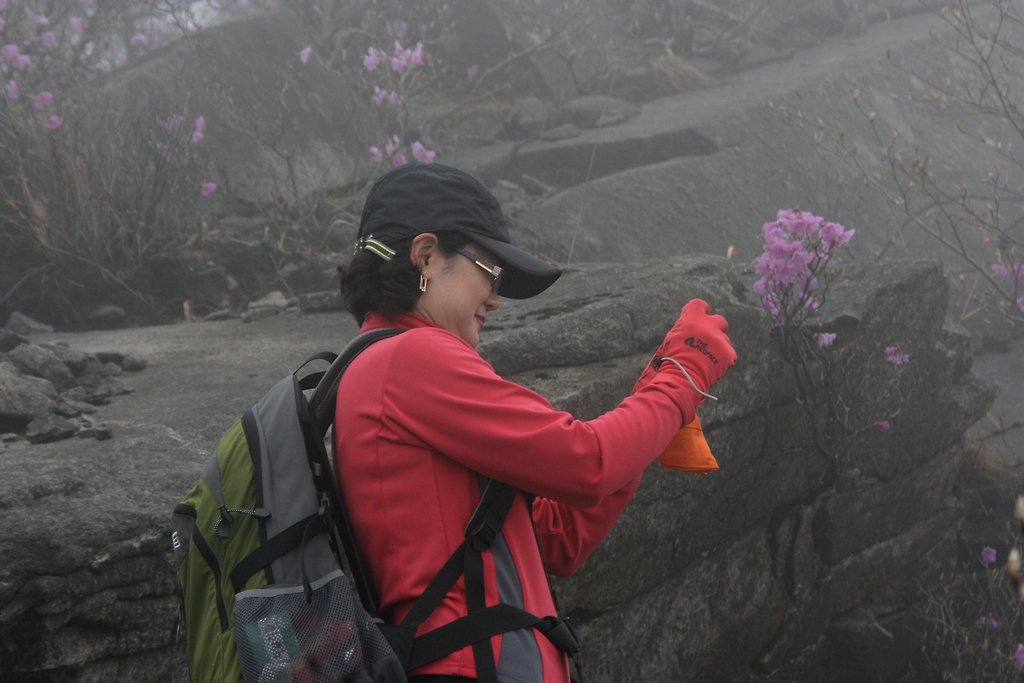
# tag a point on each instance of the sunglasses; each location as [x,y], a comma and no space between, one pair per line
[492,269]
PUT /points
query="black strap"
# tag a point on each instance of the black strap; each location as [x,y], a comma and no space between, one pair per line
[315,416]
[479,627]
[274,548]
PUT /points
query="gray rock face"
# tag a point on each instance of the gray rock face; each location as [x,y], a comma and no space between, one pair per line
[773,553]
[22,398]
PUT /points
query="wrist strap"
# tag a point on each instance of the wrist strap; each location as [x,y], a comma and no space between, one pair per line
[686,375]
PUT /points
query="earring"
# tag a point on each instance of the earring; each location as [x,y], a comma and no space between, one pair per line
[423,282]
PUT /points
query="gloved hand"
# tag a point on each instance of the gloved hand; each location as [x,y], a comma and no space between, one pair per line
[699,342]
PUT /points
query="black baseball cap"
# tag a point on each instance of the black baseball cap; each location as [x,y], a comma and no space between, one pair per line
[417,198]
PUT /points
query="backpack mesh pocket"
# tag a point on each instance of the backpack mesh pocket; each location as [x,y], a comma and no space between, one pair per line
[282,638]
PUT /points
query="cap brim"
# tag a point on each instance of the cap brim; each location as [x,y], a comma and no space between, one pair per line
[525,274]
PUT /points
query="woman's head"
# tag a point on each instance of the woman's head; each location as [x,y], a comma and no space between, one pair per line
[430,223]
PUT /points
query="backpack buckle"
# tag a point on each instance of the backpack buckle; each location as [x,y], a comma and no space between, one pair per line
[483,534]
[562,634]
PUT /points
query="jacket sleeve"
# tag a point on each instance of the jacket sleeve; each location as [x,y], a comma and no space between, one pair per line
[441,393]
[567,535]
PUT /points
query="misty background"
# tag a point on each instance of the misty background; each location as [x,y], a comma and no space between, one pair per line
[179,181]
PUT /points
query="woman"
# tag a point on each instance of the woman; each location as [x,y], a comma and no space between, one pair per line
[424,417]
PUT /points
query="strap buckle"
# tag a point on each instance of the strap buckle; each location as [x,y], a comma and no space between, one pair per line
[562,634]
[483,534]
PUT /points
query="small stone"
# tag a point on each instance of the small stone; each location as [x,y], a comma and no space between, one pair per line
[115,357]
[20,323]
[48,429]
[10,339]
[133,364]
[70,408]
[106,316]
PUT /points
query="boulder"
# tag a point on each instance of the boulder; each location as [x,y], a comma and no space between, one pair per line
[23,398]
[272,122]
[39,361]
[755,568]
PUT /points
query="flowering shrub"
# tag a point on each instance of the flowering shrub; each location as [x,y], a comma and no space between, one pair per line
[400,74]
[797,248]
[1014,275]
[89,192]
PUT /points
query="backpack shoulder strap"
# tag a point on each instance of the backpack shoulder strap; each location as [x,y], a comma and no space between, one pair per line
[316,417]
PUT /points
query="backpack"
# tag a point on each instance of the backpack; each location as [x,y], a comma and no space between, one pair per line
[262,540]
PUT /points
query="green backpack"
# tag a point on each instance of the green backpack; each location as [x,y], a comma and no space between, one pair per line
[263,595]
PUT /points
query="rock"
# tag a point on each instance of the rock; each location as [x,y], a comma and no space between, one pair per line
[592,111]
[69,408]
[223,314]
[48,429]
[75,360]
[318,302]
[115,357]
[528,117]
[24,325]
[562,132]
[271,304]
[22,398]
[39,361]
[238,62]
[9,339]
[106,316]
[132,363]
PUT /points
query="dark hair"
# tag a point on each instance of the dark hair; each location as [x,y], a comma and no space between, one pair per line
[369,283]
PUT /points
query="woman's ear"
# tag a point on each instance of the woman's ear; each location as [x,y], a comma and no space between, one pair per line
[424,248]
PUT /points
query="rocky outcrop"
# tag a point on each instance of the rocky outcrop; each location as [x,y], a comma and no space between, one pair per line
[750,572]
[48,391]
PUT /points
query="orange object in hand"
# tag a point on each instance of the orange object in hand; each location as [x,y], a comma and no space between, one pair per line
[689,451]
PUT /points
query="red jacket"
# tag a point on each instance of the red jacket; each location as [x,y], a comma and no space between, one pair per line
[418,416]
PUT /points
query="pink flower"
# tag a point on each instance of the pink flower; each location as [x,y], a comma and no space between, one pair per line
[988,555]
[42,100]
[392,145]
[472,72]
[42,20]
[304,54]
[198,130]
[9,51]
[207,188]
[825,339]
[138,40]
[990,622]
[421,153]
[54,123]
[164,150]
[3,5]
[13,89]
[49,39]
[371,60]
[3,23]
[883,425]
[399,158]
[173,123]
[77,24]
[22,62]
[1018,657]
[895,353]
[416,57]
[376,153]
